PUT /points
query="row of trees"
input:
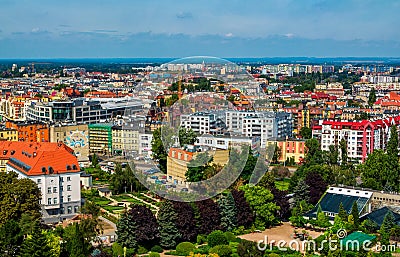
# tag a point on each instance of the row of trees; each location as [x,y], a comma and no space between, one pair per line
[235,210]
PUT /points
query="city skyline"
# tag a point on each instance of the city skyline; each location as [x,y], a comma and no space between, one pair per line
[97,29]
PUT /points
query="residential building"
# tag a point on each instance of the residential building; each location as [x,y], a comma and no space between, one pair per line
[290,149]
[179,158]
[267,125]
[13,108]
[125,140]
[362,137]
[74,136]
[145,143]
[30,131]
[100,138]
[8,134]
[203,123]
[55,170]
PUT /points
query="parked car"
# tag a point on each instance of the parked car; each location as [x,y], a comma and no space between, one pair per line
[185,189]
[154,177]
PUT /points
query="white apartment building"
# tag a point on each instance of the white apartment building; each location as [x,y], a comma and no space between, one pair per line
[199,122]
[221,142]
[234,120]
[145,143]
[55,170]
[267,125]
[362,137]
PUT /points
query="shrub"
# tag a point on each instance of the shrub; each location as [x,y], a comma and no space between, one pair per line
[142,250]
[117,250]
[204,249]
[153,254]
[216,237]
[222,250]
[273,255]
[201,239]
[185,248]
[230,236]
[157,249]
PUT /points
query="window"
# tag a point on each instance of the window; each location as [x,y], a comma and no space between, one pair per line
[55,201]
[76,209]
[69,198]
[68,178]
[49,190]
[49,201]
[62,179]
[69,188]
[62,210]
[69,209]
[39,181]
[61,188]
[54,189]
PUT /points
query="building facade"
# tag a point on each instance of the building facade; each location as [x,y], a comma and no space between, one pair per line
[29,131]
[100,138]
[55,170]
[74,136]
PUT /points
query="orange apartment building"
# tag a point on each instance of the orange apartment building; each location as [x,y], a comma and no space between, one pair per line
[30,131]
[290,148]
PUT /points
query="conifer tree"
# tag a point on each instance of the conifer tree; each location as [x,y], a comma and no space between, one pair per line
[228,212]
[126,231]
[386,227]
[35,245]
[167,219]
[356,215]
[342,212]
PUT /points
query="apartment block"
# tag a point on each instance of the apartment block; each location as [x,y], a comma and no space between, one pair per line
[55,170]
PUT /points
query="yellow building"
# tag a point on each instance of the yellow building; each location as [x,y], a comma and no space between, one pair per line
[178,159]
[290,149]
[8,134]
[125,140]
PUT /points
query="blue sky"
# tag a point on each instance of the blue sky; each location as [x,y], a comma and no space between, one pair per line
[178,28]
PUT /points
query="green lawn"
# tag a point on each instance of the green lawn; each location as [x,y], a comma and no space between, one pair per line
[113,208]
[282,184]
[101,201]
[121,198]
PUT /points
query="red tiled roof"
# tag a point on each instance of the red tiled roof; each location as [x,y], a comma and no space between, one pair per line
[36,156]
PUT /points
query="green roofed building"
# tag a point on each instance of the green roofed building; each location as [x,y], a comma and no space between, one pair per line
[378,215]
[100,138]
[357,241]
[332,198]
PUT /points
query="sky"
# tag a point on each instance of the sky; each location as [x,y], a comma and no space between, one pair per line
[179,28]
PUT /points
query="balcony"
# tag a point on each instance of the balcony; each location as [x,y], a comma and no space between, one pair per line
[51,206]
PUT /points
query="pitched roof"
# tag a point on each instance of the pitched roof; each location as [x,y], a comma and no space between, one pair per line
[39,158]
[330,202]
[378,215]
